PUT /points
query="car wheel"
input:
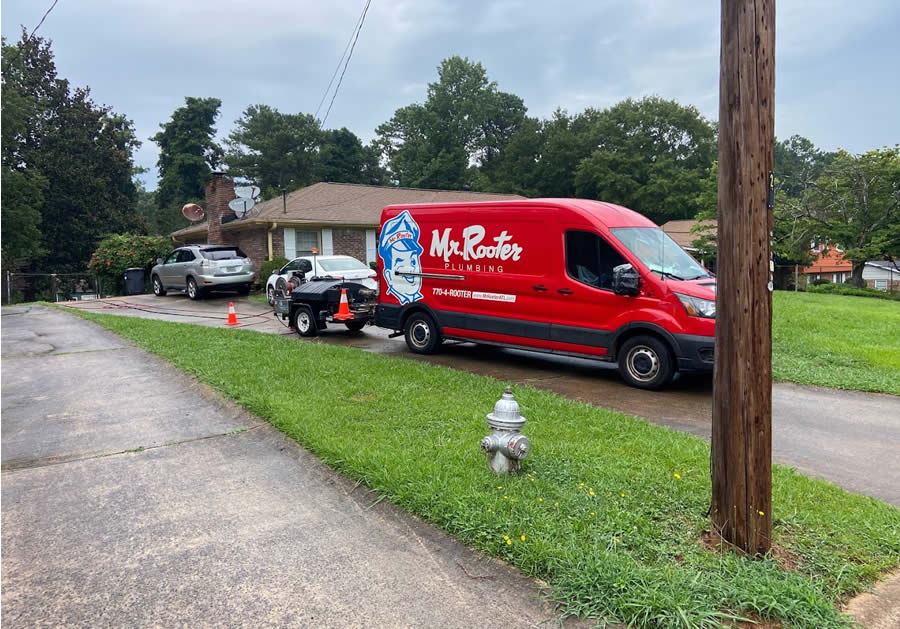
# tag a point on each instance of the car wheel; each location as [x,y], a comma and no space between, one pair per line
[304,323]
[422,335]
[355,326]
[646,362]
[193,290]
[270,294]
[158,288]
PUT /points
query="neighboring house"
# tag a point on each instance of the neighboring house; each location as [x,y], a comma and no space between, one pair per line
[830,265]
[333,218]
[882,275]
[681,232]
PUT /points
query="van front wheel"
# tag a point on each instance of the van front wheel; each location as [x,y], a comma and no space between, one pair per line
[422,336]
[646,362]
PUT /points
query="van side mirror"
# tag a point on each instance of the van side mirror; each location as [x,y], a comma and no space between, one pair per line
[626,281]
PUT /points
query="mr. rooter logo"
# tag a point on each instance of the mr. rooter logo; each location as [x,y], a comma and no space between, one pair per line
[470,248]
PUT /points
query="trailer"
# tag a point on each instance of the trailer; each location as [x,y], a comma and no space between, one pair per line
[315,303]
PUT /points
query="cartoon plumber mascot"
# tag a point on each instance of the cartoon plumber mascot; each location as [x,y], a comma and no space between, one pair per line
[399,248]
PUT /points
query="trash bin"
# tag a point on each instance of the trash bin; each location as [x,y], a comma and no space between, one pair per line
[134,281]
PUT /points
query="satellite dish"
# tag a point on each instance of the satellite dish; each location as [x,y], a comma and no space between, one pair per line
[241,206]
[192,212]
[247,192]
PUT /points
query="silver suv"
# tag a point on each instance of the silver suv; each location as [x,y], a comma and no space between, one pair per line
[198,269]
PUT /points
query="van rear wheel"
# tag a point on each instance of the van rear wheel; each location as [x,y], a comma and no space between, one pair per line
[646,362]
[422,335]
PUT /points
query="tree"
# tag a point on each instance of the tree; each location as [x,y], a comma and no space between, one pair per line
[275,151]
[56,207]
[798,164]
[188,154]
[854,205]
[343,158]
[651,155]
[464,121]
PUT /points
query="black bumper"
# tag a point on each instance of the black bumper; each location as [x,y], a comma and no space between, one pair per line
[695,353]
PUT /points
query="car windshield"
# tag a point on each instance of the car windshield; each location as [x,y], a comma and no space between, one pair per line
[227,253]
[342,264]
[659,253]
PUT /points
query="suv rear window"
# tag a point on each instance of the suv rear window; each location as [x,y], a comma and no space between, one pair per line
[226,253]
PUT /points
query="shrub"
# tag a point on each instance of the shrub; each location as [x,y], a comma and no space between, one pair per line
[271,265]
[847,289]
[820,282]
[118,252]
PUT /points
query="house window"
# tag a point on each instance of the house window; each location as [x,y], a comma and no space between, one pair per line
[306,241]
[300,243]
[881,285]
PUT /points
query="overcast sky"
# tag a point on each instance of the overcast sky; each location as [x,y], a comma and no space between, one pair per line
[836,61]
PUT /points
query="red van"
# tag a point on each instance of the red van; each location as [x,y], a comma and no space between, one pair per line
[565,276]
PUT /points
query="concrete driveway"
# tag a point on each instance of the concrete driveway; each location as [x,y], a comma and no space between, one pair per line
[133,496]
[846,437]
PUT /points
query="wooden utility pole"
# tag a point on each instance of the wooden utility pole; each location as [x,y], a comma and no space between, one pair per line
[741,463]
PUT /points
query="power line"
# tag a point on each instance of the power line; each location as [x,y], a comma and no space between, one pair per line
[358,30]
[340,61]
[42,19]
[33,31]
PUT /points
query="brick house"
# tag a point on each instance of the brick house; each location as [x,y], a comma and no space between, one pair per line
[335,218]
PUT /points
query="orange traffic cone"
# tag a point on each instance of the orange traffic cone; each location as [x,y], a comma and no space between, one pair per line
[343,312]
[232,315]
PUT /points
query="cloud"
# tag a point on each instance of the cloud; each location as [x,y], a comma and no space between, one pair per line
[833,58]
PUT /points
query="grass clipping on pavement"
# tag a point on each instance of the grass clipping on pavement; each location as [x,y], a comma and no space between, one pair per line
[609,509]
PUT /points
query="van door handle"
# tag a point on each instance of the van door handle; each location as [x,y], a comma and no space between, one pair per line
[564,291]
[539,287]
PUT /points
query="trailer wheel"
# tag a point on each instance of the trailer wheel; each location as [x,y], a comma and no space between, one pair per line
[422,336]
[646,362]
[303,322]
[355,326]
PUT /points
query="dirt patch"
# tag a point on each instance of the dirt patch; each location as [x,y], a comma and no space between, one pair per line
[785,559]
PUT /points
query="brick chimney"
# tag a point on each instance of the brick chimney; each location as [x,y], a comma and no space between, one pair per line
[219,191]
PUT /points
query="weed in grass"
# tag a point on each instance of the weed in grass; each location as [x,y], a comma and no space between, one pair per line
[631,552]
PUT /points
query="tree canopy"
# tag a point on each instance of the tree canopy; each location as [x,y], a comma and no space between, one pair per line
[188,153]
[66,164]
[464,121]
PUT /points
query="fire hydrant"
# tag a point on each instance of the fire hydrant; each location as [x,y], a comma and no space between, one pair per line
[505,446]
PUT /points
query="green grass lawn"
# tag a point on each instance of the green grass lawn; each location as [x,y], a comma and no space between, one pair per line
[836,341]
[609,509]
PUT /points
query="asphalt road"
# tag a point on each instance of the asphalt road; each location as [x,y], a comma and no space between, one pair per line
[134,496]
[848,438]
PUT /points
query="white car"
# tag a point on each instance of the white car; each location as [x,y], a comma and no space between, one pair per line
[345,267]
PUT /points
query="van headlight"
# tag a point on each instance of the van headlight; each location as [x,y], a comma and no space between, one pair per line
[697,307]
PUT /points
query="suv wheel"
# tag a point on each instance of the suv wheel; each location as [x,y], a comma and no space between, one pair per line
[158,288]
[422,335]
[646,362]
[193,290]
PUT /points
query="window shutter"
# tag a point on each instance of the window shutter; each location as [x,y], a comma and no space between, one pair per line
[290,245]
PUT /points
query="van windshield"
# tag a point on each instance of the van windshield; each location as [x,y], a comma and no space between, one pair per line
[660,253]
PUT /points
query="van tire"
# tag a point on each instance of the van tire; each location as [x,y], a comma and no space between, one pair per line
[421,333]
[646,362]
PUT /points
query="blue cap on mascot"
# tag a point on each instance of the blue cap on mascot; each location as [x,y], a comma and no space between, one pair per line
[400,233]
